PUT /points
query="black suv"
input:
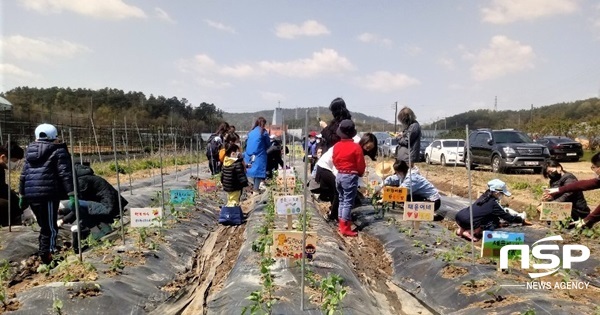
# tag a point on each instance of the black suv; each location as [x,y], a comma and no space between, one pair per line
[504,150]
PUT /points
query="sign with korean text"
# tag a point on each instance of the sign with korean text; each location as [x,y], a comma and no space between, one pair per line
[287,205]
[418,211]
[394,194]
[145,217]
[207,185]
[492,242]
[288,244]
[179,196]
[555,211]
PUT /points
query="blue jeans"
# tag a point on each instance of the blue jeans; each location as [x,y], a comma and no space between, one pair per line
[257,183]
[347,187]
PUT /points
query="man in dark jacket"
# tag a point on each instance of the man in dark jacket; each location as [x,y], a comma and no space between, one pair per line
[46,179]
[233,175]
[16,153]
[559,177]
[98,200]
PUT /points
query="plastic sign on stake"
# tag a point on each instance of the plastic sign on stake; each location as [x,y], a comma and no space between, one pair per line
[288,244]
[179,196]
[288,205]
[394,194]
[146,217]
[418,211]
[493,241]
[555,211]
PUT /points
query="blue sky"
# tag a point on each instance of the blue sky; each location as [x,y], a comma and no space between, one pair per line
[439,58]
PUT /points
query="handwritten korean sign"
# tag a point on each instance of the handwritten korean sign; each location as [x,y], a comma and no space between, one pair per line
[493,241]
[288,244]
[145,217]
[179,196]
[285,205]
[555,211]
[394,194]
[418,211]
[207,185]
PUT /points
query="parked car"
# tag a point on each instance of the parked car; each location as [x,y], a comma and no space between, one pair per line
[381,136]
[424,144]
[389,147]
[445,151]
[562,148]
[505,149]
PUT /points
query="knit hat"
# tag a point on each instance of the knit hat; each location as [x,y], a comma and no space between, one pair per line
[46,132]
[346,130]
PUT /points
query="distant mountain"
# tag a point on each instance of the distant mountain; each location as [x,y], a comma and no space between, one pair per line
[294,118]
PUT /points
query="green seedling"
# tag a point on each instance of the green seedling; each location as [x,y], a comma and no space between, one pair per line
[332,293]
[57,306]
[117,264]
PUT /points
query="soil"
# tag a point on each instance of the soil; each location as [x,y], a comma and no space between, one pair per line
[452,272]
[476,287]
[10,306]
[372,264]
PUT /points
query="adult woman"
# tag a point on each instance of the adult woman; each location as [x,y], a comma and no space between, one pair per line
[487,212]
[215,144]
[340,112]
[558,178]
[411,134]
[326,173]
[582,185]
[256,152]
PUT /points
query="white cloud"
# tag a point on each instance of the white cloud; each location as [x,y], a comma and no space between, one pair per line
[102,9]
[326,61]
[40,49]
[11,71]
[502,57]
[220,26]
[507,11]
[308,28]
[371,38]
[448,63]
[383,81]
[596,22]
[413,50]
[163,15]
[271,96]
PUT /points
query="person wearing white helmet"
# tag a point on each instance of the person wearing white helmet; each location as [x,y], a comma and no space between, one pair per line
[46,179]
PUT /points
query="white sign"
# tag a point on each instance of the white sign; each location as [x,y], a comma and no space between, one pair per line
[145,217]
[555,261]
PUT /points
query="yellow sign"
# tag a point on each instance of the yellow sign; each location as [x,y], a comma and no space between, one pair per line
[288,244]
[555,211]
[394,194]
[418,211]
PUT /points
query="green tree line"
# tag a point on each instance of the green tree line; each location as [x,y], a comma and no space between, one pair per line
[108,106]
[578,119]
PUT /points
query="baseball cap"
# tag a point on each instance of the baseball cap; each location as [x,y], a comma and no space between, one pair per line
[498,185]
[46,132]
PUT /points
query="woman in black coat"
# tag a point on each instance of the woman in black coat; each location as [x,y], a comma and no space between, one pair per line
[411,134]
[329,133]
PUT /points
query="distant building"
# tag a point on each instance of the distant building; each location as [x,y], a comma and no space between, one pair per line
[277,117]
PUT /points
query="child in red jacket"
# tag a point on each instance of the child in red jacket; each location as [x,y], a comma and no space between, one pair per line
[349,160]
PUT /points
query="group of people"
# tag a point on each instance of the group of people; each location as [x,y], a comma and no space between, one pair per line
[45,180]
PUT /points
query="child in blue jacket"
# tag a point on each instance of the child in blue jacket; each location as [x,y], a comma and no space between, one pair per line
[46,179]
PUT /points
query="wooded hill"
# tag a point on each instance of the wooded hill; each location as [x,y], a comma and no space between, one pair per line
[574,119]
[75,107]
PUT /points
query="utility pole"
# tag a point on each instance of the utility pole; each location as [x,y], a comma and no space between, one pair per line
[396,118]
[495,103]
[531,114]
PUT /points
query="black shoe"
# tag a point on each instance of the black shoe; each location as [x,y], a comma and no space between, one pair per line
[46,258]
[438,217]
